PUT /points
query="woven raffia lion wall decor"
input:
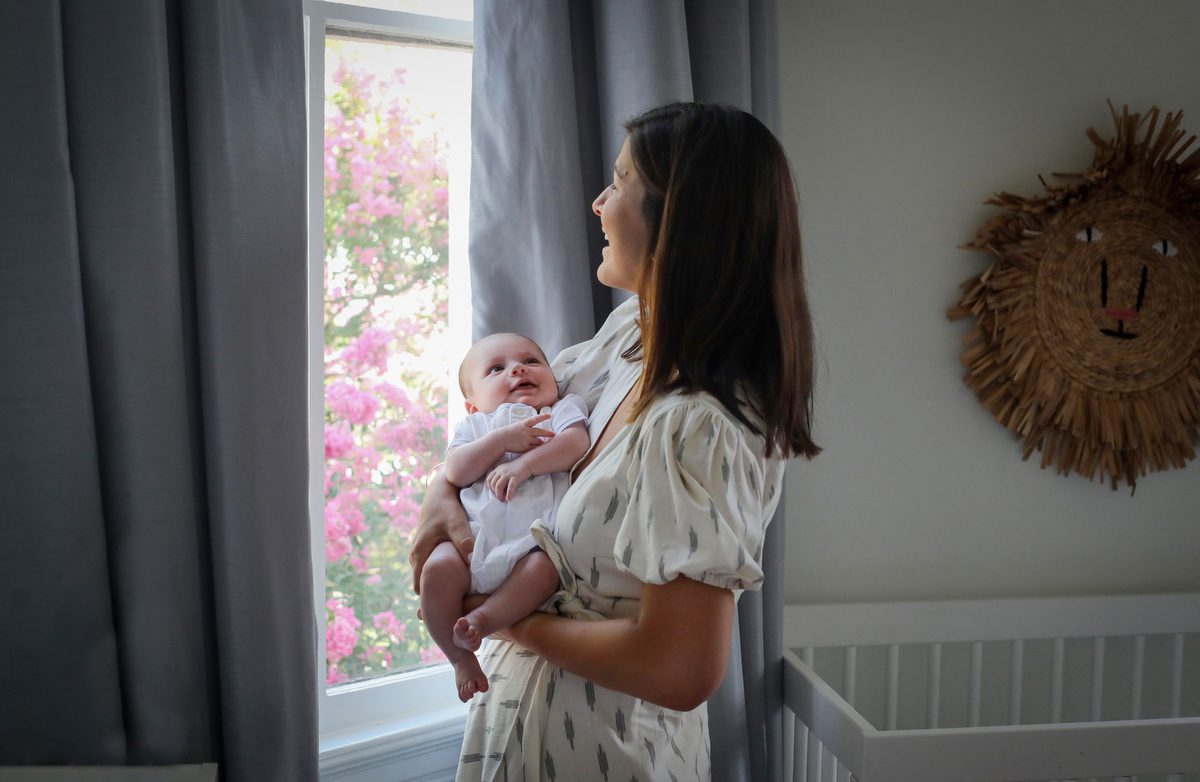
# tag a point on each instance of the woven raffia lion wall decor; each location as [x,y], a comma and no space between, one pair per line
[1086,334]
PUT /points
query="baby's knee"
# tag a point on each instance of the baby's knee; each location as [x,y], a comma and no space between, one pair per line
[544,574]
[444,567]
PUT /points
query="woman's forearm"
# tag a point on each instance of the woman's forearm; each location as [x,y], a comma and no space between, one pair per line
[673,653]
[442,518]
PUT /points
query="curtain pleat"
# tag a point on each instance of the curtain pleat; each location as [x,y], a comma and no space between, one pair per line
[60,679]
[122,146]
[154,546]
[553,85]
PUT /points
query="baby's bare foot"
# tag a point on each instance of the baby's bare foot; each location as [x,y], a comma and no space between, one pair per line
[467,635]
[469,678]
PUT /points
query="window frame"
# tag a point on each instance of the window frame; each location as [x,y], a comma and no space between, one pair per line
[418,703]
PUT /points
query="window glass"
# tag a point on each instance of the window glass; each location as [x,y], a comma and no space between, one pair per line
[395,157]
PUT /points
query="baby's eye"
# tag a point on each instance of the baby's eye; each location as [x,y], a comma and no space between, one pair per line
[495,368]
[1166,247]
[1089,235]
[532,361]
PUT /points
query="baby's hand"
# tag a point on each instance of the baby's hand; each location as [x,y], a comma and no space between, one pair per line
[524,435]
[505,478]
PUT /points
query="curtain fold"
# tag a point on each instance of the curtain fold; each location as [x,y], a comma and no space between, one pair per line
[553,83]
[154,545]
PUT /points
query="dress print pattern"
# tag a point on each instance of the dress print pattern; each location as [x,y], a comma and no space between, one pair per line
[684,490]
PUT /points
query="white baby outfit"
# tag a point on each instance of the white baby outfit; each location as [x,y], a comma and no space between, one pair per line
[501,529]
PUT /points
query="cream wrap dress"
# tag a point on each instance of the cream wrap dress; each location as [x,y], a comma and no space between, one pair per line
[684,490]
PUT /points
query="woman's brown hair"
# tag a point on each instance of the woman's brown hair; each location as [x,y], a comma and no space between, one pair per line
[722,302]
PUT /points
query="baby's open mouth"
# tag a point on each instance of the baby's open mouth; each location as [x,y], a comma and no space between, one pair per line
[524,384]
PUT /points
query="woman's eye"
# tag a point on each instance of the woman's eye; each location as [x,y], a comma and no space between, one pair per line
[1166,247]
[1089,235]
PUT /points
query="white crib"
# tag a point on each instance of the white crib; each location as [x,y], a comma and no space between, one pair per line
[1095,688]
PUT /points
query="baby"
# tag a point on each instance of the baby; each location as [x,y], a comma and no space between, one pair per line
[511,471]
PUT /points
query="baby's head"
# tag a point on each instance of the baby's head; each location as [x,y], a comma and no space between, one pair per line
[506,368]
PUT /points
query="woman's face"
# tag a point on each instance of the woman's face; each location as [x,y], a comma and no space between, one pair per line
[619,207]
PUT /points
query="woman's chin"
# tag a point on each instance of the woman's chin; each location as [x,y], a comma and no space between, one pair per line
[606,276]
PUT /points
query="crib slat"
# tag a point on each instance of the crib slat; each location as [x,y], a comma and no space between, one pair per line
[849,679]
[1177,675]
[893,685]
[800,753]
[814,758]
[1056,684]
[1097,678]
[1139,667]
[934,708]
[973,700]
[1014,687]
[789,743]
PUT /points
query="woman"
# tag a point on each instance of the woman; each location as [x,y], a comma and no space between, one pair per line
[699,389]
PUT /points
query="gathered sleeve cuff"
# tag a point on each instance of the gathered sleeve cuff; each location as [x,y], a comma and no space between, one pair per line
[695,504]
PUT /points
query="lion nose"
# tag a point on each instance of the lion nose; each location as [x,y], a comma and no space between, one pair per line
[1119,313]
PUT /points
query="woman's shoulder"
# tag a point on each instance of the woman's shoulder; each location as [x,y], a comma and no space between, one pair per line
[684,413]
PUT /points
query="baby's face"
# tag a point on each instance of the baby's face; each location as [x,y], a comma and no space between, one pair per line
[507,368]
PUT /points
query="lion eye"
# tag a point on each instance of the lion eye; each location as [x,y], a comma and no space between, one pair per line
[1166,247]
[1089,235]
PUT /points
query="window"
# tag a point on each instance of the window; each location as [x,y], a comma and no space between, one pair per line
[389,157]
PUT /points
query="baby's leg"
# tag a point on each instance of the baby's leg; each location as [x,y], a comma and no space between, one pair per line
[532,580]
[444,581]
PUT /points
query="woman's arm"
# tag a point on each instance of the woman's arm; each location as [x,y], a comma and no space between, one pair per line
[673,653]
[442,519]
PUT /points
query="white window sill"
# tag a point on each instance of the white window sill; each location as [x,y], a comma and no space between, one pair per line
[407,728]
[421,752]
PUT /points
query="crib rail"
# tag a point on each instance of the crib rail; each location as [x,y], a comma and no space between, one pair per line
[828,739]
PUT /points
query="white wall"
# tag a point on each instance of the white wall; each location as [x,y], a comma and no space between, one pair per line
[900,118]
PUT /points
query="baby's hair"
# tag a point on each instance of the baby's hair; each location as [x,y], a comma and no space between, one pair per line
[462,381]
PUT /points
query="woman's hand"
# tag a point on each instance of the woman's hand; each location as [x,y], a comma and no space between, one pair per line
[442,519]
[510,633]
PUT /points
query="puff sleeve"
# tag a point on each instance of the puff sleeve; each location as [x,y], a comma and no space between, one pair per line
[696,505]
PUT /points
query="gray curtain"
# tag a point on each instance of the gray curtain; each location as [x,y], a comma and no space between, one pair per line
[155,571]
[553,83]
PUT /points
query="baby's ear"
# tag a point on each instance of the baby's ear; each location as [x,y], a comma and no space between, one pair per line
[471,409]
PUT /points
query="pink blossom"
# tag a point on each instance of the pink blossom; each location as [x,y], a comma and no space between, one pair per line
[338,441]
[386,621]
[432,654]
[369,350]
[348,402]
[334,676]
[343,519]
[341,632]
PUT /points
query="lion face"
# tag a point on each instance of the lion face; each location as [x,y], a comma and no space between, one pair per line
[1117,293]
[1086,341]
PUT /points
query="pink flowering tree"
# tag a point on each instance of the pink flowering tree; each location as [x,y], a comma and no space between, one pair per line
[386,292]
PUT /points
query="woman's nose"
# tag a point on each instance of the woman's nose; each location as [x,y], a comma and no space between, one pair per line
[599,202]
